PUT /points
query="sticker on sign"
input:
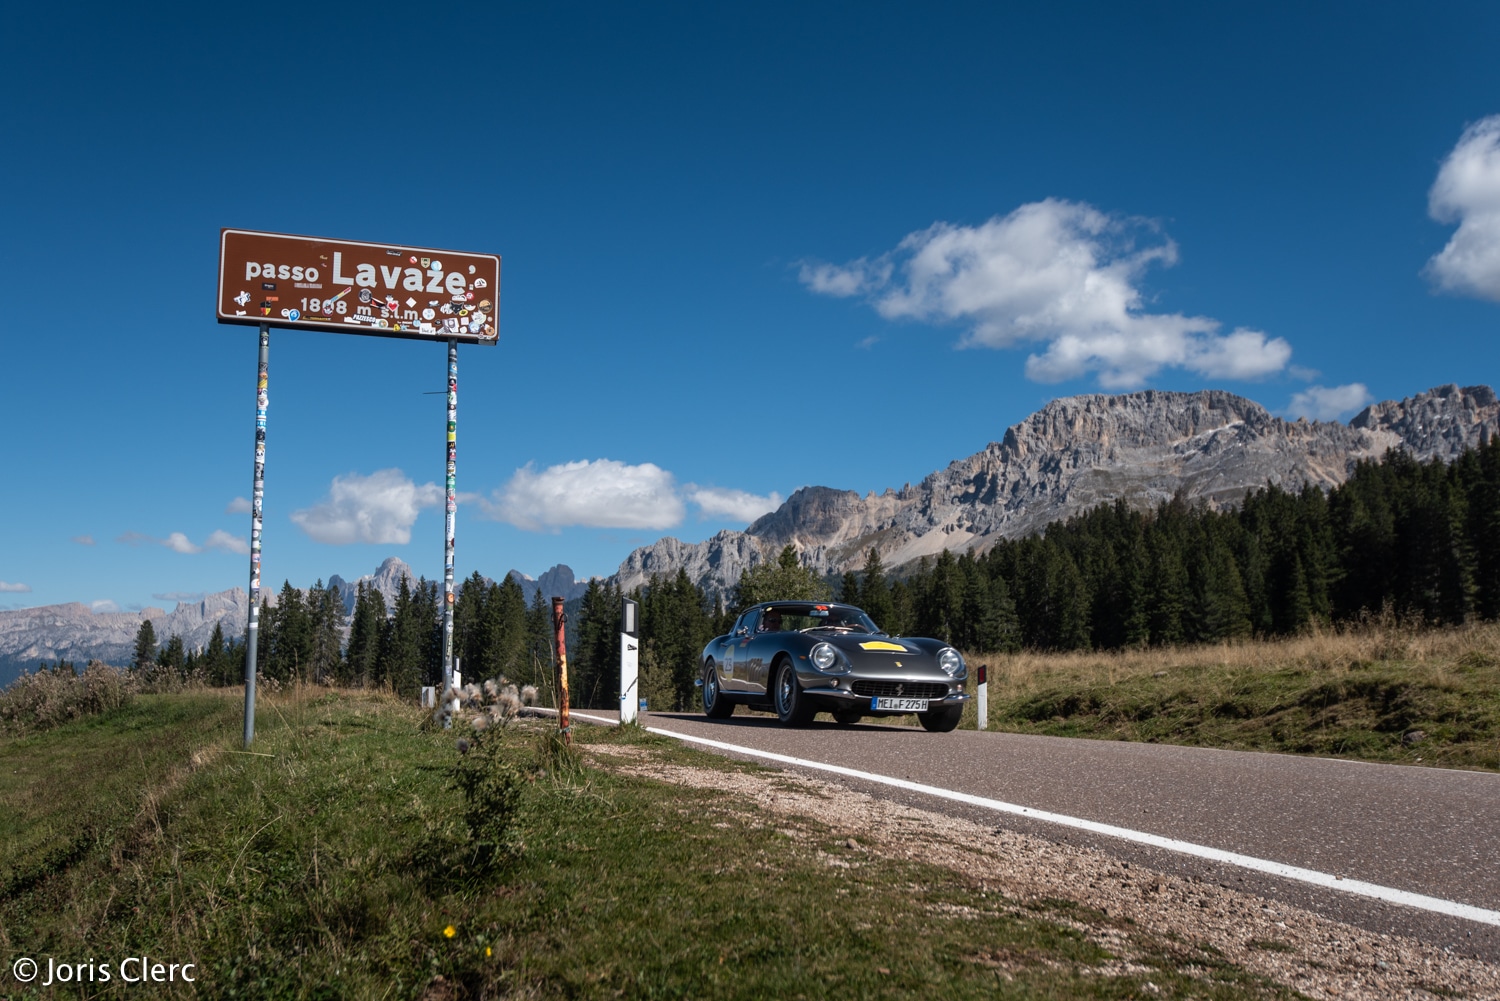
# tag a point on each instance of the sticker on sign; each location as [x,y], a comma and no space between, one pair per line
[313,278]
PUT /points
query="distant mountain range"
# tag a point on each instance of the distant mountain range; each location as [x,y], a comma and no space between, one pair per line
[75,632]
[1071,455]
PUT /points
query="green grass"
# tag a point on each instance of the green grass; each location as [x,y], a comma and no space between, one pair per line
[1426,698]
[332,866]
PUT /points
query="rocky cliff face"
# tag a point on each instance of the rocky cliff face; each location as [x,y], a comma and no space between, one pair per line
[1072,455]
[558,580]
[387,577]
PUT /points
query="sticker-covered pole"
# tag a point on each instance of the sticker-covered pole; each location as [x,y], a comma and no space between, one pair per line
[257,495]
[448,522]
[559,625]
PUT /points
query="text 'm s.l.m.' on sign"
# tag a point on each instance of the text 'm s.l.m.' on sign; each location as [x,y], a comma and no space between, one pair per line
[358,288]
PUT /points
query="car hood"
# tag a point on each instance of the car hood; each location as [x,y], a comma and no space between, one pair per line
[857,644]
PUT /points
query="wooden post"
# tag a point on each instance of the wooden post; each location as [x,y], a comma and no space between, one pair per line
[559,623]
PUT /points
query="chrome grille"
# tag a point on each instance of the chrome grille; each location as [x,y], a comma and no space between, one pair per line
[901,689]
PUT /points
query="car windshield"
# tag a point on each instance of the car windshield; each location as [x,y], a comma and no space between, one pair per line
[800,617]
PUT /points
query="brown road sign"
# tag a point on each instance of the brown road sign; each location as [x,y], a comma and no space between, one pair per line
[358,288]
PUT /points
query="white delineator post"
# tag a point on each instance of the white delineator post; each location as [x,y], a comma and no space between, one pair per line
[984,697]
[629,660]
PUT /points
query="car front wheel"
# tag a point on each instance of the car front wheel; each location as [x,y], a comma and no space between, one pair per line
[715,705]
[941,720]
[792,707]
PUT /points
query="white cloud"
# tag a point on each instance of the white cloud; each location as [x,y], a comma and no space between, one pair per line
[6,588]
[84,540]
[238,506]
[104,606]
[219,540]
[1055,272]
[1329,403]
[178,543]
[731,505]
[226,542]
[598,494]
[179,596]
[842,281]
[379,508]
[1467,191]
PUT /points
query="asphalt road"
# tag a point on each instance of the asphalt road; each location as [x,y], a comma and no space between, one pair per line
[1426,830]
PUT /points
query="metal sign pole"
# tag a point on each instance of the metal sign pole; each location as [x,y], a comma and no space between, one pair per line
[629,661]
[448,525]
[257,495]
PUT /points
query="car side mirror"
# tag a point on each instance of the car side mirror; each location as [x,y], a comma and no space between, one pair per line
[742,631]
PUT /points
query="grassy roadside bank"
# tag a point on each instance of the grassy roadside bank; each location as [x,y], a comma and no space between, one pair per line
[335,863]
[1378,693]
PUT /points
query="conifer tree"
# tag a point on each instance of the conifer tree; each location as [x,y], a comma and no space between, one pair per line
[901,617]
[1226,611]
[1481,476]
[216,666]
[267,629]
[849,589]
[503,634]
[401,656]
[784,580]
[598,647]
[365,636]
[173,657]
[875,592]
[145,645]
[1167,592]
[541,650]
[941,598]
[290,636]
[428,615]
[325,631]
[675,626]
[468,619]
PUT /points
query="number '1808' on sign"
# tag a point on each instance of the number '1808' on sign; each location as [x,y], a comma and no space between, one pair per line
[387,290]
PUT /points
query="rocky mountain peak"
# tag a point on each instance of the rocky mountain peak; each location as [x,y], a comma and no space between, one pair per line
[1077,452]
[1438,423]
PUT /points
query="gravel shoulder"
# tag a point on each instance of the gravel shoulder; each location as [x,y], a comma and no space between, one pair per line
[1099,895]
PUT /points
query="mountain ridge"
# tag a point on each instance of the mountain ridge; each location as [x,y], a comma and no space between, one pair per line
[1073,454]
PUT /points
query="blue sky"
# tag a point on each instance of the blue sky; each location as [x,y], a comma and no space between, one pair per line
[726,231]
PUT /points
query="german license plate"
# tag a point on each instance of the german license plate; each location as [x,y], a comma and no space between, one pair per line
[899,705]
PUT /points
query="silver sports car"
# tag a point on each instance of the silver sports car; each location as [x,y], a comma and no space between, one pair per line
[799,658]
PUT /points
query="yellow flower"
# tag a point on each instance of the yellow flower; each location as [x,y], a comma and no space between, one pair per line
[487,950]
[450,931]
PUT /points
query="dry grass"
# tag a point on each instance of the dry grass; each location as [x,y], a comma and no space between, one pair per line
[1378,690]
[49,698]
[1437,653]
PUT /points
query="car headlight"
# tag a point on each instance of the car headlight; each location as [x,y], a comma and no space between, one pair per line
[826,658]
[951,661]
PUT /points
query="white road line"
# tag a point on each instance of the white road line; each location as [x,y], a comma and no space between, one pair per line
[1357,887]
